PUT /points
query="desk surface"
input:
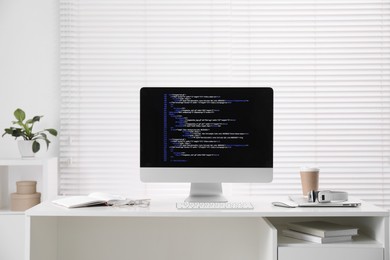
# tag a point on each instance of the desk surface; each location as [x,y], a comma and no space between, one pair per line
[166,207]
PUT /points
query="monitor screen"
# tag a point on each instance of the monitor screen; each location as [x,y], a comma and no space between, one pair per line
[207,127]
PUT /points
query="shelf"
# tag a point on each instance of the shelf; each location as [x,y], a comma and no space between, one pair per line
[9,212]
[358,241]
[42,170]
[22,162]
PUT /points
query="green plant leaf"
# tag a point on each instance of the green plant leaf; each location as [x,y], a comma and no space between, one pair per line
[7,131]
[19,115]
[47,143]
[17,132]
[36,118]
[36,146]
[40,137]
[52,131]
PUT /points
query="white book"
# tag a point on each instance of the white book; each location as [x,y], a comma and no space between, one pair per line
[96,198]
[315,239]
[323,228]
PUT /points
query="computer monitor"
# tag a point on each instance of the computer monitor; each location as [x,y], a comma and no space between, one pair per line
[206,136]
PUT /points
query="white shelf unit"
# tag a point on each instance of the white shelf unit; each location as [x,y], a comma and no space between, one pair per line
[12,223]
[44,171]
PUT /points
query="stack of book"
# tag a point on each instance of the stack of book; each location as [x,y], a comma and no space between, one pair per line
[320,231]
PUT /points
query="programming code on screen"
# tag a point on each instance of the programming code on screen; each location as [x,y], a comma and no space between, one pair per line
[198,126]
[206,127]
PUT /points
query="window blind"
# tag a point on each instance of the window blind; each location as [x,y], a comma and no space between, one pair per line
[328,62]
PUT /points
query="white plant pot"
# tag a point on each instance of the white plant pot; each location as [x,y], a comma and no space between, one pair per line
[25,148]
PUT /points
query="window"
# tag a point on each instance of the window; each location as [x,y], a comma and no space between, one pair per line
[327,61]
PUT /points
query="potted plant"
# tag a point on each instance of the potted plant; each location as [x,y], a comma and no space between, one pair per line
[29,145]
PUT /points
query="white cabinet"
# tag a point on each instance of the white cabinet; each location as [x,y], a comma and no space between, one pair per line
[12,223]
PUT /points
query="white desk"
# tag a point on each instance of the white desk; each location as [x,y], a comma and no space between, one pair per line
[163,232]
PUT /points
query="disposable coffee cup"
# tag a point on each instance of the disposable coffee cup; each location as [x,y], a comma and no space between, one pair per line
[309,179]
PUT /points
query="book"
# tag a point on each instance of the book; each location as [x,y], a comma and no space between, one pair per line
[323,228]
[315,239]
[93,199]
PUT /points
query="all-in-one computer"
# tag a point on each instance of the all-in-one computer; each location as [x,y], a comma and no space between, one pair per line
[206,136]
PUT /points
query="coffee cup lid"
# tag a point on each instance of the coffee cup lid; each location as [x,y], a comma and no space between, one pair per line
[310,169]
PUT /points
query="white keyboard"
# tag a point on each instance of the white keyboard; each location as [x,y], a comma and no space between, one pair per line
[214,205]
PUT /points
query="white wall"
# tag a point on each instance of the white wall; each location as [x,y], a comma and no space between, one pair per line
[29,67]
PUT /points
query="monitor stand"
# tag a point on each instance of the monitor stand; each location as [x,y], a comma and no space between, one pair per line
[206,192]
